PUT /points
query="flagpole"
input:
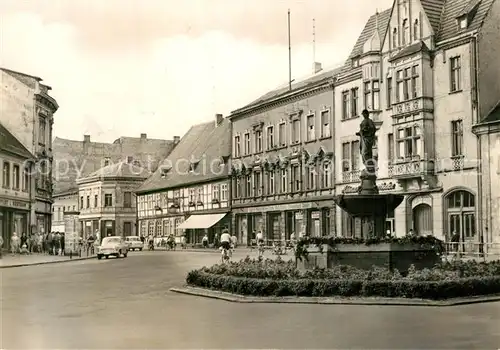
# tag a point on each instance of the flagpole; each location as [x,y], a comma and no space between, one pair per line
[289,55]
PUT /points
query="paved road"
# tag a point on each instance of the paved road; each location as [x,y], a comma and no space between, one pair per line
[125,304]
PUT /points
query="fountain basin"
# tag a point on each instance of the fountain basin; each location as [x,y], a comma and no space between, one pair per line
[368,204]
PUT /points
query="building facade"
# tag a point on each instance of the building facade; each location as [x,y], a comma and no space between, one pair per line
[107,201]
[190,192]
[28,110]
[66,201]
[282,167]
[416,70]
[16,189]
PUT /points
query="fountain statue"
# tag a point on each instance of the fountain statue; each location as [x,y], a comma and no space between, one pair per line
[368,205]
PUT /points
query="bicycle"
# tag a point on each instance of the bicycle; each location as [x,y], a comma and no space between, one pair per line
[225,255]
[261,249]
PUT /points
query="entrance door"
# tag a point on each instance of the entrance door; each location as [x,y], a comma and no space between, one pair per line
[422,220]
[274,227]
[127,229]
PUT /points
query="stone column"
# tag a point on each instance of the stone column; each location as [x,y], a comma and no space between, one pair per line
[265,228]
[283,225]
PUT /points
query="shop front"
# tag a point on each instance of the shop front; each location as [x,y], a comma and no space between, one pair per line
[282,222]
[14,217]
[197,225]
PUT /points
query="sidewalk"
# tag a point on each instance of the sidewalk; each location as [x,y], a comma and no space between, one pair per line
[8,260]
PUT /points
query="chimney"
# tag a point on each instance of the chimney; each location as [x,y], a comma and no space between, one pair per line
[144,136]
[86,138]
[177,139]
[218,119]
[317,67]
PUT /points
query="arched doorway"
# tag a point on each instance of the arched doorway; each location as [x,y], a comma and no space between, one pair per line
[422,219]
[460,215]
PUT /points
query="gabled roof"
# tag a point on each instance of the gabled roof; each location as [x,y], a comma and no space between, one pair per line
[203,147]
[296,86]
[454,8]
[494,115]
[118,170]
[28,80]
[9,143]
[369,29]
[433,10]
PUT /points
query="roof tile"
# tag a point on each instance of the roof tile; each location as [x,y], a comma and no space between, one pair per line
[433,9]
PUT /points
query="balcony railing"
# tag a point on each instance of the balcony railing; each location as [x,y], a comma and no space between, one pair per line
[411,168]
[351,176]
[412,106]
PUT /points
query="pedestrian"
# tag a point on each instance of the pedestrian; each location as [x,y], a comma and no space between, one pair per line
[57,244]
[24,239]
[14,243]
[216,241]
[62,244]
[234,240]
[1,246]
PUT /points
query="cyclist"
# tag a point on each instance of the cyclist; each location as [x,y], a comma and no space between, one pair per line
[225,241]
[260,242]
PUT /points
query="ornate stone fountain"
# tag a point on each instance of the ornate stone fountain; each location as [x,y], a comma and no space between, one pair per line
[371,208]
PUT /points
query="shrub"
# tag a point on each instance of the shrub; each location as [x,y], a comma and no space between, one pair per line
[281,278]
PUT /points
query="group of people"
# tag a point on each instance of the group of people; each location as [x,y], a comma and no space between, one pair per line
[224,240]
[51,243]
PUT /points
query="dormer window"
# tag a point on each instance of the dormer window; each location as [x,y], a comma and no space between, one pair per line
[355,62]
[462,23]
[164,171]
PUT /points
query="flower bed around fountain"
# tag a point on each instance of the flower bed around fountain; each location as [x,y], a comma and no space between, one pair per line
[280,278]
[391,253]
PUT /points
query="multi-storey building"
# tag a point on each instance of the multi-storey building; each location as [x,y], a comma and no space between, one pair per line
[422,69]
[27,109]
[107,201]
[64,201]
[282,162]
[190,191]
[16,190]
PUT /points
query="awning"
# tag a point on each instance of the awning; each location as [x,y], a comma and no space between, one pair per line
[202,221]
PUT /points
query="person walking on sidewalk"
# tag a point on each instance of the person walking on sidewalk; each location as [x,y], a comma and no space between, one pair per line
[204,241]
[1,246]
[14,243]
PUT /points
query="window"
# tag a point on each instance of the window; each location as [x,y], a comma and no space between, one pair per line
[345,105]
[283,181]
[248,187]
[348,224]
[405,36]
[246,144]
[96,202]
[350,156]
[327,175]
[462,23]
[16,177]
[389,92]
[127,199]
[406,84]
[6,175]
[457,138]
[223,192]
[390,148]
[376,95]
[296,178]
[238,188]
[108,200]
[460,208]
[215,192]
[159,227]
[355,155]
[282,134]
[408,142]
[295,131]
[192,195]
[258,141]
[107,161]
[81,202]
[310,128]
[257,177]
[354,103]
[325,123]
[26,181]
[311,179]
[199,194]
[414,81]
[455,67]
[42,130]
[270,182]
[416,30]
[88,202]
[367,92]
[399,85]
[237,146]
[394,38]
[270,137]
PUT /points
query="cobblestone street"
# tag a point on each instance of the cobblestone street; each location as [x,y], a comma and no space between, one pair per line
[126,304]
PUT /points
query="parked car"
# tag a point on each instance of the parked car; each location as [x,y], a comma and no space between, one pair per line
[134,242]
[112,246]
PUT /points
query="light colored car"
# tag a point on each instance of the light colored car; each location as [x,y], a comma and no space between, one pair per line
[112,246]
[134,242]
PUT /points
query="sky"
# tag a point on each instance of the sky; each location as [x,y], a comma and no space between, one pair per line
[125,67]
